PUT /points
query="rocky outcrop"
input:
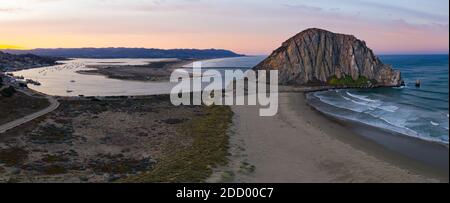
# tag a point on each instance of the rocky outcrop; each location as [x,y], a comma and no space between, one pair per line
[315,56]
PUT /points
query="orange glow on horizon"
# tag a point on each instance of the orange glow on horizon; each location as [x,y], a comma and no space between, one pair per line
[250,44]
[6,46]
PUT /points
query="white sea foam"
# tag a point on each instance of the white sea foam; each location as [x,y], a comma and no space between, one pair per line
[360,97]
[392,109]
[398,122]
[372,104]
[390,126]
[399,126]
[434,124]
[361,105]
[341,105]
[346,98]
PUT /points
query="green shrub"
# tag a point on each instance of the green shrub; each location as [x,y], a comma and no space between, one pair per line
[348,81]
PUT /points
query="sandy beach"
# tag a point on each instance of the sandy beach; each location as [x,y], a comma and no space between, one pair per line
[301,145]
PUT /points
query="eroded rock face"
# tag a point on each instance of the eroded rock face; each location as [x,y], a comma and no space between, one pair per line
[314,56]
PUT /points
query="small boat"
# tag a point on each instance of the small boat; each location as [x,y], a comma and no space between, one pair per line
[418,83]
[72,81]
[69,91]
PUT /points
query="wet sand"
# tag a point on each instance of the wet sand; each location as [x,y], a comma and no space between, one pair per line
[300,144]
[154,71]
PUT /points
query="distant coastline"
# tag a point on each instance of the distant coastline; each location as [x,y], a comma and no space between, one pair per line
[128,53]
[14,62]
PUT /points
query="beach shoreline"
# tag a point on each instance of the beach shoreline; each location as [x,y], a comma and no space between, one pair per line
[416,154]
[311,147]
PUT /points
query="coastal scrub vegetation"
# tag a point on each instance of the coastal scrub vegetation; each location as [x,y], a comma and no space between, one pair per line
[18,105]
[193,163]
[8,92]
[348,81]
[12,156]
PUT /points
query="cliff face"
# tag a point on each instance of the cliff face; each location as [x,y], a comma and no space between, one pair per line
[317,56]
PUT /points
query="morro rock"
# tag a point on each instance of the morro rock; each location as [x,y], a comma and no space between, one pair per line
[320,57]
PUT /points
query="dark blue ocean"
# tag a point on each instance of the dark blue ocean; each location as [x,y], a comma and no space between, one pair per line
[418,112]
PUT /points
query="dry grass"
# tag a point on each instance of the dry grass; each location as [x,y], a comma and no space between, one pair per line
[194,163]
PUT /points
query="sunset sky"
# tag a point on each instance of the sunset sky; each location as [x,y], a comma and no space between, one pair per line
[244,26]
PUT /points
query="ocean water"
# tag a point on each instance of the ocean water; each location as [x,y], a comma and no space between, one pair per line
[418,112]
[234,62]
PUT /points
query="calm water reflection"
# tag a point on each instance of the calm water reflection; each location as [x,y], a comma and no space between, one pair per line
[62,80]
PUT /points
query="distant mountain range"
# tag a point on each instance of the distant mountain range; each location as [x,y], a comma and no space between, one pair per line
[128,53]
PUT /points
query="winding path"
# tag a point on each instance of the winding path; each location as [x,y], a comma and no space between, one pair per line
[54,104]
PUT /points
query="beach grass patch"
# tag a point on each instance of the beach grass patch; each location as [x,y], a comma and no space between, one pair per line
[227,177]
[52,134]
[118,164]
[54,170]
[53,158]
[13,156]
[208,148]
